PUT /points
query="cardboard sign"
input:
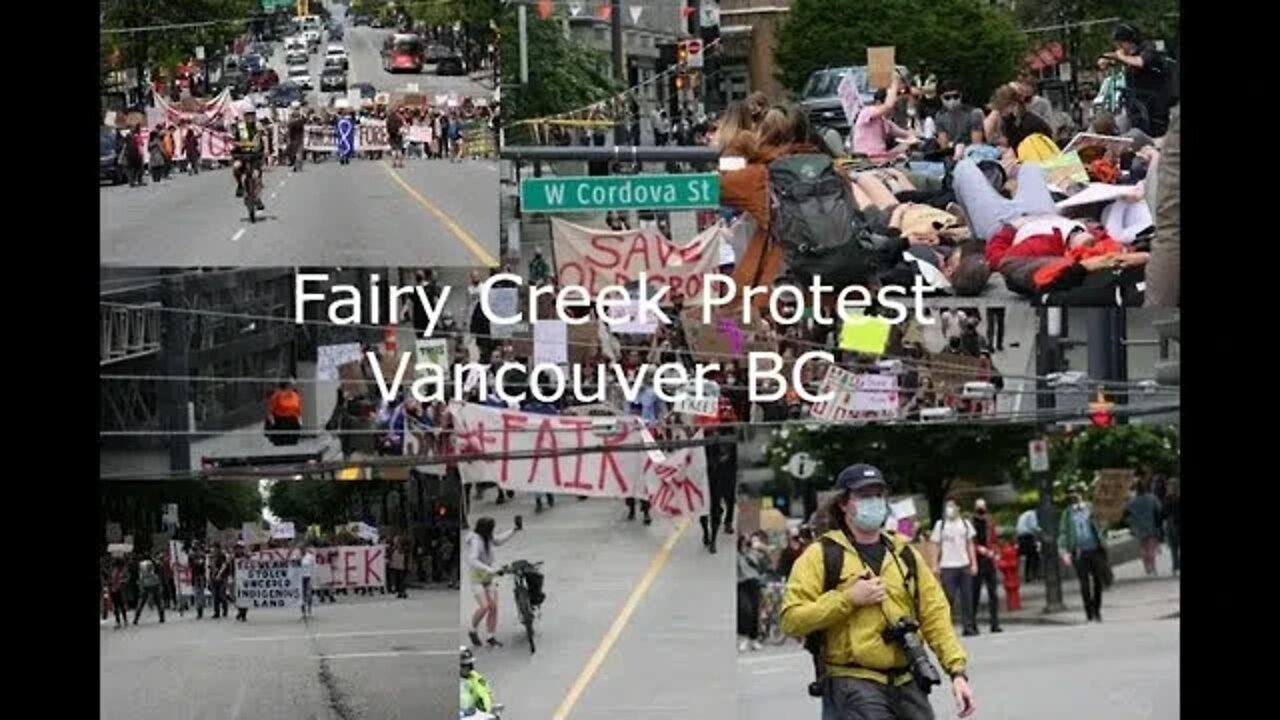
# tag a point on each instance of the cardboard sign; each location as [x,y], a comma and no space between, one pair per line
[1111,144]
[1064,170]
[530,458]
[727,337]
[329,358]
[1110,495]
[868,335]
[551,342]
[430,351]
[850,99]
[503,302]
[268,583]
[881,66]
[282,531]
[856,396]
[596,259]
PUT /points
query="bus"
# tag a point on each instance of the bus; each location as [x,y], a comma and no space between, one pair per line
[403,53]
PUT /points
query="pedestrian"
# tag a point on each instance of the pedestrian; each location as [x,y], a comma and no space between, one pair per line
[219,574]
[395,136]
[284,415]
[118,580]
[1080,542]
[1147,81]
[155,151]
[957,562]
[995,328]
[199,577]
[861,663]
[722,477]
[753,567]
[1028,532]
[149,584]
[1143,513]
[1007,563]
[191,148]
[169,588]
[169,148]
[482,562]
[986,546]
[242,610]
[1171,511]
[308,571]
[398,564]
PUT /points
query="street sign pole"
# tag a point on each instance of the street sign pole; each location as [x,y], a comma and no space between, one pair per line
[619,66]
[1046,354]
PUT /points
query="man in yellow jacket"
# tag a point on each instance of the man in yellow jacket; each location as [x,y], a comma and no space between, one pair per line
[866,675]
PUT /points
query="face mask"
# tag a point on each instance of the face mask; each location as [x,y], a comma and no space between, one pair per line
[953,512]
[951,103]
[870,513]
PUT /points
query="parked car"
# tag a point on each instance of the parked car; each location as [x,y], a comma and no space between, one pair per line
[252,63]
[109,166]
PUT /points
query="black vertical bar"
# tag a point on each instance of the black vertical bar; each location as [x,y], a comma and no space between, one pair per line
[1047,358]
[175,396]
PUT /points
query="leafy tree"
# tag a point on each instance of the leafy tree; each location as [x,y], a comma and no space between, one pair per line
[327,503]
[165,48]
[564,73]
[972,43]
[928,459]
[1149,447]
[138,506]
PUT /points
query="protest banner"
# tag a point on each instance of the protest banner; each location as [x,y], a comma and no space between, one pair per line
[331,357]
[263,582]
[181,564]
[726,337]
[596,259]
[252,533]
[503,302]
[578,455]
[856,396]
[551,342]
[337,567]
[371,136]
[881,67]
[430,351]
[282,531]
[850,98]
[1110,495]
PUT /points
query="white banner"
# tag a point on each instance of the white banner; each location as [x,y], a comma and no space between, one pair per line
[675,482]
[282,531]
[596,259]
[551,342]
[267,582]
[181,564]
[371,136]
[341,566]
[850,100]
[857,396]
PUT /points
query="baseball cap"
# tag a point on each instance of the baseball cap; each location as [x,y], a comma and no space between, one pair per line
[861,475]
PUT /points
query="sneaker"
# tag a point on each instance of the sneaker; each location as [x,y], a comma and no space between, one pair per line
[728,528]
[493,643]
[743,645]
[757,646]
[239,191]
[261,205]
[475,638]
[971,632]
[997,629]
[648,520]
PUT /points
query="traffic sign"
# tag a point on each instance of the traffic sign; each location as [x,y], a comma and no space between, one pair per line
[695,54]
[1039,453]
[631,192]
[802,466]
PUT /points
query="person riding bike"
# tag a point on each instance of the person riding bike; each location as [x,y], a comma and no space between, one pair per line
[247,149]
[473,690]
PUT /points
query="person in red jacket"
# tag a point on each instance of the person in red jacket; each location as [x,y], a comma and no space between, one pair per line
[1075,249]
[1007,564]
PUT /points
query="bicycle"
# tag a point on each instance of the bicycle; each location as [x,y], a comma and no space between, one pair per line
[770,613]
[520,570]
[251,162]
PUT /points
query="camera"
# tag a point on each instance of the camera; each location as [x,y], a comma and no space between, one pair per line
[906,633]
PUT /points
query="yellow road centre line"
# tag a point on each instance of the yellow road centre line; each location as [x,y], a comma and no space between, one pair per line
[619,623]
[470,242]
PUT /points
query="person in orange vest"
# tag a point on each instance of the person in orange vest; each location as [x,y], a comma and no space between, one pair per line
[284,415]
[1007,563]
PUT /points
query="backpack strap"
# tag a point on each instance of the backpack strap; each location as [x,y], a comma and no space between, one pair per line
[832,563]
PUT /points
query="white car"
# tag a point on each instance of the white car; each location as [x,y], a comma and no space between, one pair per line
[313,38]
[300,75]
[336,53]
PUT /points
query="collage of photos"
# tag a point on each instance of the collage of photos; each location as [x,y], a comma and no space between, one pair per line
[646,359]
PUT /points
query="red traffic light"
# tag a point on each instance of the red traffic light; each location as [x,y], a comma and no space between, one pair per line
[442,510]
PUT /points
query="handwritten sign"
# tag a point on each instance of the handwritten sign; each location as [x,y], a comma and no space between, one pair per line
[1110,495]
[268,583]
[579,456]
[551,342]
[850,99]
[503,302]
[338,567]
[331,357]
[856,396]
[596,259]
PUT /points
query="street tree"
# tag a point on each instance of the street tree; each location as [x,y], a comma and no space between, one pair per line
[156,48]
[564,73]
[1155,18]
[926,459]
[138,506]
[975,44]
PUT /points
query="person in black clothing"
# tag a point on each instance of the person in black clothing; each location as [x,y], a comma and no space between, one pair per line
[1171,511]
[198,579]
[722,476]
[1009,117]
[995,328]
[218,576]
[297,133]
[1146,79]
[984,540]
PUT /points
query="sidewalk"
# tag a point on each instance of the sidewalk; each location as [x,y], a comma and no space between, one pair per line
[1133,596]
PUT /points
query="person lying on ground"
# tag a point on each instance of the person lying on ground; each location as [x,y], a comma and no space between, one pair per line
[873,129]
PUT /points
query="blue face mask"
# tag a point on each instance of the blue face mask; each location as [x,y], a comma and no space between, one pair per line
[870,513]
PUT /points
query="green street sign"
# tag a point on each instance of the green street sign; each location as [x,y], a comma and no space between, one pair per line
[630,192]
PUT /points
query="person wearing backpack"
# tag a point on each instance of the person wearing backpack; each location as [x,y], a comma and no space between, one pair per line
[847,590]
[957,564]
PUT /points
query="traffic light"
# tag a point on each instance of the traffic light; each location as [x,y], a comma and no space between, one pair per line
[1100,411]
[442,510]
[681,82]
[682,52]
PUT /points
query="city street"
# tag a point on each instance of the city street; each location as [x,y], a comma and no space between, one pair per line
[1118,671]
[629,629]
[357,659]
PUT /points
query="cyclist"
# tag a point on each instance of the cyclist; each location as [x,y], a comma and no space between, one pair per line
[473,690]
[480,559]
[247,149]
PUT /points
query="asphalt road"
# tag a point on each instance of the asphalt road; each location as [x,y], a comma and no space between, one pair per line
[628,630]
[1117,671]
[356,659]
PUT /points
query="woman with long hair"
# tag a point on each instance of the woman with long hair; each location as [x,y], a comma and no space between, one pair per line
[480,559]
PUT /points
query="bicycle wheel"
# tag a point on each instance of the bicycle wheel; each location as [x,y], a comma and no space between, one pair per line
[526,615]
[251,202]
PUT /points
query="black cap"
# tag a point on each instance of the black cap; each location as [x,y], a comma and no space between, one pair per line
[856,477]
[1126,33]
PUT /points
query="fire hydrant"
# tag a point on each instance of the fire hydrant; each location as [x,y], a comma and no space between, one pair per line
[1008,566]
